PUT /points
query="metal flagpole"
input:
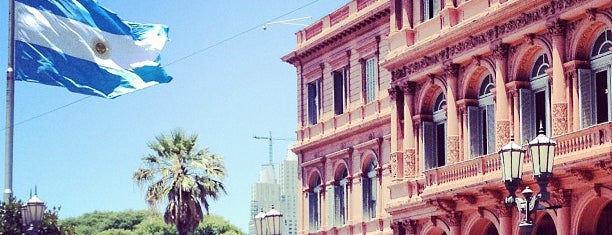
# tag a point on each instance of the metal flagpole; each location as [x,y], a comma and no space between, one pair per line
[10,101]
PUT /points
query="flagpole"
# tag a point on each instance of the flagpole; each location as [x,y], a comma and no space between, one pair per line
[10,101]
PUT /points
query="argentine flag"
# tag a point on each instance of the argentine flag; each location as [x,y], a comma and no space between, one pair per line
[86,48]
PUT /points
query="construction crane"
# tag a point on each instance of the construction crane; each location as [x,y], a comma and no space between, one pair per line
[270,139]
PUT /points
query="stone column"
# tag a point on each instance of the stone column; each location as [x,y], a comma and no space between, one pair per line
[502,119]
[505,220]
[556,30]
[409,143]
[396,154]
[455,222]
[564,213]
[410,227]
[452,72]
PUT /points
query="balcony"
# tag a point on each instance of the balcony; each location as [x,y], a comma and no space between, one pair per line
[587,148]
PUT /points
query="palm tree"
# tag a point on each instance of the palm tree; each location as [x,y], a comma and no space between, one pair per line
[182,177]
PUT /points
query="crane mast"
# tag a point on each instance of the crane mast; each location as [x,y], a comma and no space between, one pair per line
[270,139]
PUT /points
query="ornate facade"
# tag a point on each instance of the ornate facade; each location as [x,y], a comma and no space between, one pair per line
[462,79]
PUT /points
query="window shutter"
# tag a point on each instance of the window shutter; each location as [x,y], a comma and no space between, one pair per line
[586,97]
[374,196]
[475,132]
[527,115]
[429,145]
[490,129]
[331,194]
[338,205]
[338,92]
[312,105]
[365,183]
[436,8]
[312,210]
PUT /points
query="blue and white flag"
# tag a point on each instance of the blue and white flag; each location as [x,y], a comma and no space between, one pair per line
[86,48]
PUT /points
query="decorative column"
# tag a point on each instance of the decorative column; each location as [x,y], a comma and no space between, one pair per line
[455,222]
[556,30]
[564,213]
[396,154]
[502,119]
[505,220]
[410,227]
[452,72]
[409,137]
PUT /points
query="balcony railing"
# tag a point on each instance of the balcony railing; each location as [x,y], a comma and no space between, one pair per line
[582,140]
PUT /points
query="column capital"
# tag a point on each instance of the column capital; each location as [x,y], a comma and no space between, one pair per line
[408,87]
[556,27]
[393,92]
[500,50]
[410,226]
[451,70]
[454,218]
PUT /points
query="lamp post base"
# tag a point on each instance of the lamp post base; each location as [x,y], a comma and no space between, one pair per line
[526,228]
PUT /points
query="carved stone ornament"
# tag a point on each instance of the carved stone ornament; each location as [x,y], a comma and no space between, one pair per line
[410,226]
[591,14]
[451,69]
[556,27]
[408,87]
[409,163]
[502,133]
[606,166]
[582,175]
[393,92]
[477,39]
[465,198]
[396,225]
[394,169]
[454,218]
[500,51]
[504,210]
[559,119]
[493,194]
[453,149]
[562,197]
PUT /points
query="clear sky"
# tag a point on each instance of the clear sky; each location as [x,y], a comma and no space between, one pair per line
[229,84]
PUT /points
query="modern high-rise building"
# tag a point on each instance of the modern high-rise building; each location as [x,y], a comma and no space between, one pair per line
[403,106]
[265,193]
[289,193]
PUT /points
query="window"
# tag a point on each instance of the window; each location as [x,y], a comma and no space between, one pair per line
[314,205]
[434,135]
[370,81]
[481,120]
[594,85]
[340,198]
[340,91]
[535,102]
[314,101]
[369,184]
[430,8]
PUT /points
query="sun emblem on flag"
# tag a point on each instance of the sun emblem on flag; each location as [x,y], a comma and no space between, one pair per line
[101,49]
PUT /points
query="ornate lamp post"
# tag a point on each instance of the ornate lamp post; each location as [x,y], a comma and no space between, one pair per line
[274,221]
[268,223]
[542,152]
[32,214]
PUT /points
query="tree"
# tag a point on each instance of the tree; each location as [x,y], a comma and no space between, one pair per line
[183,177]
[11,220]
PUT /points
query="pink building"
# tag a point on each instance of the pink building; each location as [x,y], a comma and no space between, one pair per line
[403,106]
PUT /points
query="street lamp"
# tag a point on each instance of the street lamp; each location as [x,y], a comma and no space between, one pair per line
[542,152]
[268,223]
[32,214]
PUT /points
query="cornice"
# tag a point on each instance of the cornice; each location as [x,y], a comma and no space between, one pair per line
[382,12]
[415,58]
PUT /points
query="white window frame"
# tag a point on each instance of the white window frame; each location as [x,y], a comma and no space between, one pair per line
[370,79]
[477,125]
[369,189]
[316,103]
[344,90]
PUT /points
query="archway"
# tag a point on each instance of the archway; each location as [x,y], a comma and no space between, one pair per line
[546,226]
[603,223]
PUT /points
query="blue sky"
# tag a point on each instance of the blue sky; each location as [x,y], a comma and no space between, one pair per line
[81,156]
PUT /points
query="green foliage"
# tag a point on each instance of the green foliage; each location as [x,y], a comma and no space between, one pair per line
[144,223]
[182,177]
[11,220]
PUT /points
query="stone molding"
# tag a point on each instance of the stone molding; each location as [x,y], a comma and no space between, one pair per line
[486,36]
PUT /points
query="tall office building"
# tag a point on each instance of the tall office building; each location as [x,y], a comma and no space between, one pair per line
[264,194]
[288,193]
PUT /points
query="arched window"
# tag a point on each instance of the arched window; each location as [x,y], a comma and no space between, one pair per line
[434,135]
[314,204]
[594,84]
[340,197]
[369,184]
[535,102]
[481,120]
